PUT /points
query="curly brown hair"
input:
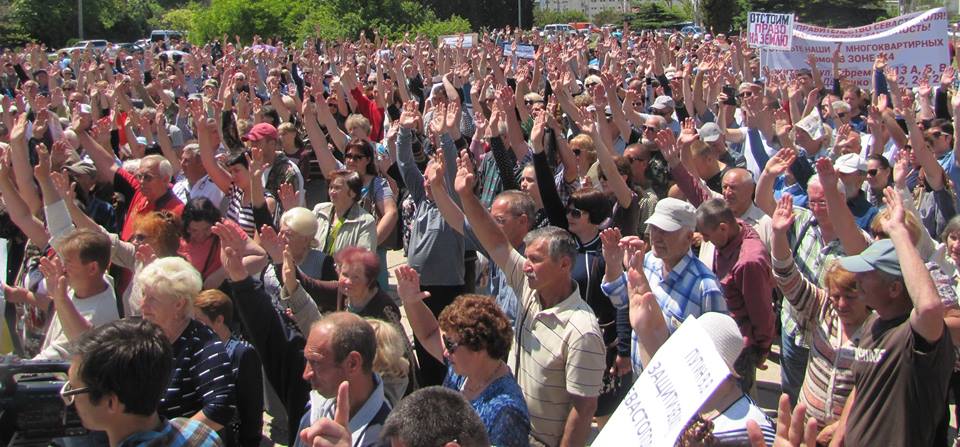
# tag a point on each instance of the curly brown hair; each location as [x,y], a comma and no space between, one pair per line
[480,323]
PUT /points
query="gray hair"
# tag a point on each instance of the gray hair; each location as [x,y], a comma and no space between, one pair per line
[166,169]
[173,278]
[713,212]
[815,180]
[560,243]
[433,416]
[520,203]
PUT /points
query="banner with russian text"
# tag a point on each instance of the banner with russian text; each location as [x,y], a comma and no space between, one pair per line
[914,43]
[681,376]
[770,30]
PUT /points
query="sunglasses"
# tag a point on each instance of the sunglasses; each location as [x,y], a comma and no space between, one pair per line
[354,156]
[574,213]
[650,129]
[745,94]
[872,172]
[577,152]
[450,346]
[68,393]
[937,134]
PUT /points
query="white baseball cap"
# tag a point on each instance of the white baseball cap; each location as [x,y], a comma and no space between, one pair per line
[663,102]
[673,214]
[850,164]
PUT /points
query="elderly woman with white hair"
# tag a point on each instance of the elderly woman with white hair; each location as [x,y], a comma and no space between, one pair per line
[297,233]
[202,384]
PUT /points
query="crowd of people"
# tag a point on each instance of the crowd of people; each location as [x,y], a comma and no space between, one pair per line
[202,231]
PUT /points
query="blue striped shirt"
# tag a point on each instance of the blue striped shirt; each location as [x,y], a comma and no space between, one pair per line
[689,289]
[202,377]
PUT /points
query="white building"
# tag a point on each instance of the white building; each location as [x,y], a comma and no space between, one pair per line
[588,7]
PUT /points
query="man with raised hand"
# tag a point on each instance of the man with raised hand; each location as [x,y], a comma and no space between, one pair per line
[558,354]
[904,361]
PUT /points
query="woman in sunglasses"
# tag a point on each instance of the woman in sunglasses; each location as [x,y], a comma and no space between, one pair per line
[472,338]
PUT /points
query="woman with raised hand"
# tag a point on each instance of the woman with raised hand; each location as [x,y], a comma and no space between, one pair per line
[472,338]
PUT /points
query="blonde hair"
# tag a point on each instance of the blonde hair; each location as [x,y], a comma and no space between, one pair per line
[286,127]
[391,347]
[357,119]
[301,221]
[172,278]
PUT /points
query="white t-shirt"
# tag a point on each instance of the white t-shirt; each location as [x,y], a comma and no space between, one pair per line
[98,309]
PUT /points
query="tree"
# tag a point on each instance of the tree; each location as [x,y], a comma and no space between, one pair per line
[542,17]
[485,13]
[653,16]
[719,15]
[829,13]
[611,15]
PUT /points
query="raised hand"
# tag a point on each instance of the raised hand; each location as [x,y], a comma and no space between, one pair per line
[466,180]
[668,147]
[782,219]
[256,163]
[42,170]
[145,254]
[410,115]
[326,432]
[289,197]
[63,186]
[289,272]
[791,431]
[408,284]
[55,275]
[688,133]
[271,242]
[231,251]
[826,172]
[610,240]
[781,161]
[896,220]
[536,133]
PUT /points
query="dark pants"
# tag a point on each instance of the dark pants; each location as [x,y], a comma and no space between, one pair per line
[432,371]
[746,367]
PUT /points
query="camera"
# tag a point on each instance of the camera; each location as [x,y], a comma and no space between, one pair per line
[32,413]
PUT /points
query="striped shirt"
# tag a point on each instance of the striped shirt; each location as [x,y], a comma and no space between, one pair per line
[829,378]
[812,255]
[202,377]
[558,353]
[239,211]
[689,289]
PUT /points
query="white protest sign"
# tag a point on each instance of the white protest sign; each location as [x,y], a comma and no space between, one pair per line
[680,377]
[452,39]
[914,44]
[524,51]
[770,30]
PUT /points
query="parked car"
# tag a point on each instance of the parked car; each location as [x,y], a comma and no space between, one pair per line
[558,28]
[98,46]
[165,35]
[692,30]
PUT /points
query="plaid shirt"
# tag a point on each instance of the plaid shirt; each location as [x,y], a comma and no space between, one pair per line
[179,432]
[689,289]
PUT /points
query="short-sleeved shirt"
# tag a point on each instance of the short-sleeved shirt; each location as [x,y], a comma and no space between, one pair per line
[127,184]
[901,384]
[558,352]
[202,377]
[239,211]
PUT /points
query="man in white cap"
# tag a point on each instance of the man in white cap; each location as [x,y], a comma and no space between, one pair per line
[681,283]
[711,134]
[853,172]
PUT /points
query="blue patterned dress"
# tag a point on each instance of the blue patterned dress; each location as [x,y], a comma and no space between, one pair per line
[501,408]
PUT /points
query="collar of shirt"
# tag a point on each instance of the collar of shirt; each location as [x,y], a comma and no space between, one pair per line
[753,214]
[565,309]
[321,407]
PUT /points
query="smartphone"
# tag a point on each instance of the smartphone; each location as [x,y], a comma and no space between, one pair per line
[731,95]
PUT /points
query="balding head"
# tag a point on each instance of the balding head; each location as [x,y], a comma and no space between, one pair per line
[348,333]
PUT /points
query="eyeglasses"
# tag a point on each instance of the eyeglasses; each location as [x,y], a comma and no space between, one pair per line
[68,393]
[354,156]
[450,346]
[574,213]
[937,134]
[872,172]
[650,128]
[842,115]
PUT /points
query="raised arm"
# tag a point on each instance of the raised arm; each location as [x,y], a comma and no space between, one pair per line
[208,142]
[928,310]
[318,142]
[776,166]
[421,319]
[450,211]
[845,224]
[619,186]
[491,237]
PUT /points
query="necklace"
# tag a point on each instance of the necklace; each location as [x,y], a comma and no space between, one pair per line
[470,388]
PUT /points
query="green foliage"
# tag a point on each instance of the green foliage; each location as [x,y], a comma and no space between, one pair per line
[654,16]
[543,17]
[719,15]
[611,15]
[830,13]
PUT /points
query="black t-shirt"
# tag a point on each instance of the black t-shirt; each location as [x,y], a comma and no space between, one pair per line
[901,385]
